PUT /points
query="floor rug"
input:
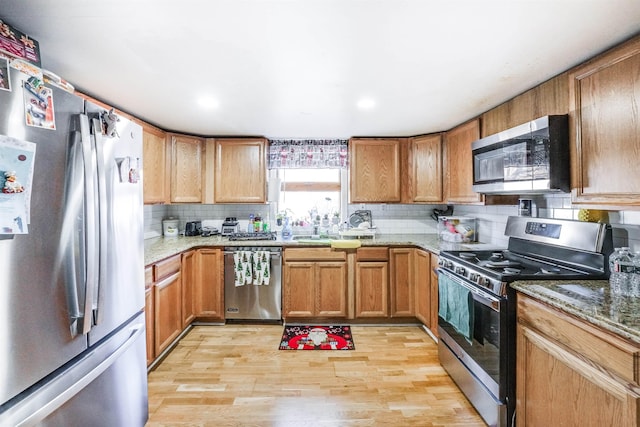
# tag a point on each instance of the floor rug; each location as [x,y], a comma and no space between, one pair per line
[316,337]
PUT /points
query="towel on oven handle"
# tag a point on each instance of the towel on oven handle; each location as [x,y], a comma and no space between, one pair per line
[456,306]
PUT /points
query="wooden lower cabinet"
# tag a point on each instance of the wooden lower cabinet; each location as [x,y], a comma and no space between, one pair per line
[179,290]
[167,303]
[331,289]
[208,289]
[149,314]
[372,289]
[168,311]
[423,286]
[372,282]
[314,283]
[188,273]
[571,373]
[401,282]
[299,295]
[434,294]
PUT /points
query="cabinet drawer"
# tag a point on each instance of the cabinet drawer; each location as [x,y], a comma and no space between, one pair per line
[167,267]
[372,254]
[602,347]
[313,254]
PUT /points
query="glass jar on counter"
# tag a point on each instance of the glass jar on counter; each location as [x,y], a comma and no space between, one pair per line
[622,267]
[635,276]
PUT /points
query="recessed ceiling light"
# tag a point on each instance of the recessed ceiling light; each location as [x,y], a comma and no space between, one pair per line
[208,102]
[366,104]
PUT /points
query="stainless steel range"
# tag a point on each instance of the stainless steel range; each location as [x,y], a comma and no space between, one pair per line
[476,316]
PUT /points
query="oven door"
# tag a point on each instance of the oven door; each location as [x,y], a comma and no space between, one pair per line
[485,354]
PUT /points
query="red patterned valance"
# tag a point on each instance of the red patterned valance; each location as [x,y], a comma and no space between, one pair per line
[308,153]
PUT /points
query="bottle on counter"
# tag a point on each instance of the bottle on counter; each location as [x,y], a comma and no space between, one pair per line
[621,266]
[257,223]
[287,233]
[635,277]
[250,226]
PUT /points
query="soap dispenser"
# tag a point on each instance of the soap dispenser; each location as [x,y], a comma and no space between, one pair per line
[287,233]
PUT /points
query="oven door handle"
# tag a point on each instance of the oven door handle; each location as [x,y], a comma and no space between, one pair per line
[483,297]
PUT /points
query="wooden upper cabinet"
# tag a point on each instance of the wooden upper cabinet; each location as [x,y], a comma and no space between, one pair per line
[605,128]
[156,166]
[548,98]
[374,171]
[239,171]
[459,161]
[186,169]
[424,165]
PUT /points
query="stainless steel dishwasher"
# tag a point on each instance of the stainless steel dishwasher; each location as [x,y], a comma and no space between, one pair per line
[251,301]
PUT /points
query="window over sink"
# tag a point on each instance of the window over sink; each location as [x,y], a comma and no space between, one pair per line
[308,195]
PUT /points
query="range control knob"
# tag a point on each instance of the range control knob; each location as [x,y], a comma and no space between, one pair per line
[459,270]
[482,281]
[448,264]
[474,277]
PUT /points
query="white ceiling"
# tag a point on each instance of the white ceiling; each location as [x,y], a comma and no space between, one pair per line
[298,68]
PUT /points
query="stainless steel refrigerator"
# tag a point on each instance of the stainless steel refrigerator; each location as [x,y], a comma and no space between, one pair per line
[72,328]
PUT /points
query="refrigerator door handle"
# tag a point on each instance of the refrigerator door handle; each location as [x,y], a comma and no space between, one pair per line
[91,226]
[66,385]
[72,242]
[96,127]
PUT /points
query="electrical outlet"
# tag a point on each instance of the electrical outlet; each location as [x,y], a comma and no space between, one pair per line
[383,207]
[362,206]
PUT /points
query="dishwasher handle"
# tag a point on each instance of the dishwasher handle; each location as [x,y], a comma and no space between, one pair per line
[273,254]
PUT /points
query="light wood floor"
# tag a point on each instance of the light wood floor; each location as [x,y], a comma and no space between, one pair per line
[234,375]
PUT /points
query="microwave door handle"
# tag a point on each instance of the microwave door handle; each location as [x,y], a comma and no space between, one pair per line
[100,290]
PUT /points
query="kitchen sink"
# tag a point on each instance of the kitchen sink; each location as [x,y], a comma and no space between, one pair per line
[311,238]
[336,242]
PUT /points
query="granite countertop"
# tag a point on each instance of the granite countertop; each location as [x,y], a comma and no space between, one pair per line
[158,248]
[590,300]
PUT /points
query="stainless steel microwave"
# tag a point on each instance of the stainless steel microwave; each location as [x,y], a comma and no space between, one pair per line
[531,158]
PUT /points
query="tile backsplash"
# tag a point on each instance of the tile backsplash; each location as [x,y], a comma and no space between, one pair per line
[398,218]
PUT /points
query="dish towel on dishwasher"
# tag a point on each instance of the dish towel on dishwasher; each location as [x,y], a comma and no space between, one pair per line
[261,267]
[456,306]
[242,264]
[252,267]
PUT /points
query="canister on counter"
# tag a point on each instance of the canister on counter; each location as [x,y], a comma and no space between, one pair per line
[170,227]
